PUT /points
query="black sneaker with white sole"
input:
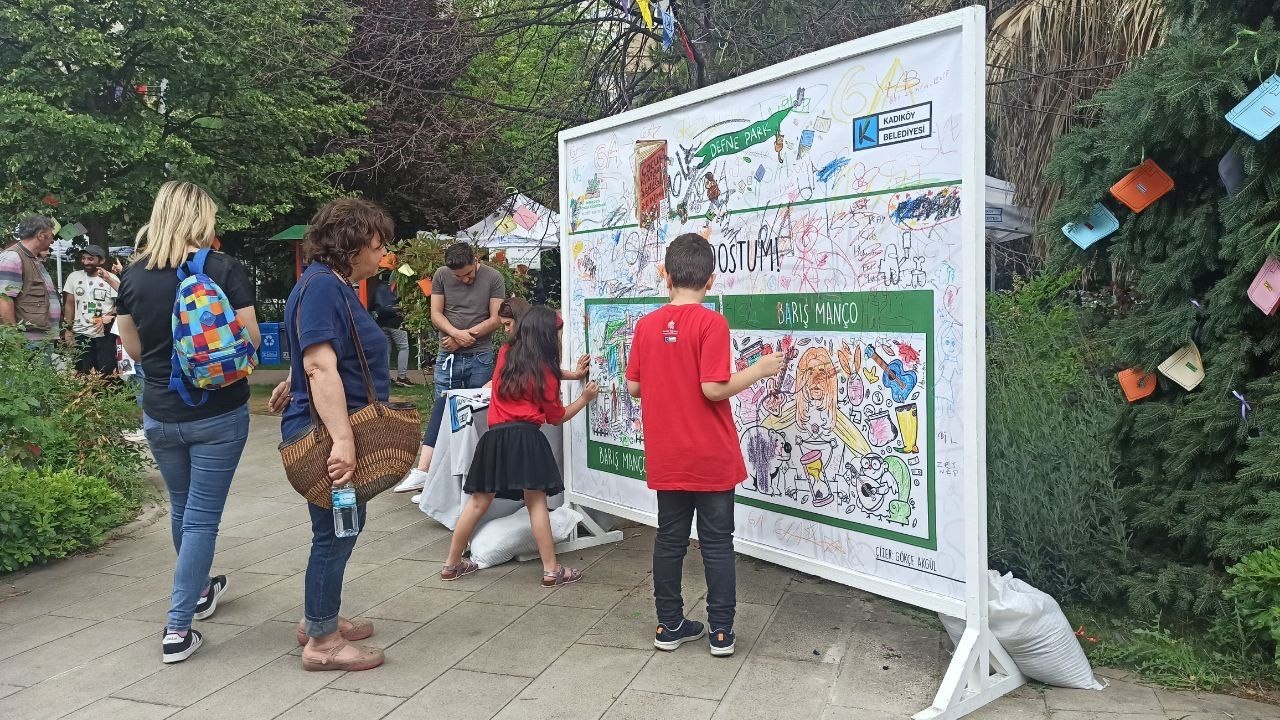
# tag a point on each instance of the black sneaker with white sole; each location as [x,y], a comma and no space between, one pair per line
[209,601]
[721,640]
[177,648]
[670,637]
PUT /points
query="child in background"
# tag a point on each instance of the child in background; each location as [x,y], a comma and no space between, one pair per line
[679,368]
[513,459]
[509,314]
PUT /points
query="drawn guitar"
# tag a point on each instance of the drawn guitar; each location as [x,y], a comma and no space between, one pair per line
[898,379]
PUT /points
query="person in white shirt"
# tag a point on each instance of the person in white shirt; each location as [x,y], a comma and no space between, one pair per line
[88,311]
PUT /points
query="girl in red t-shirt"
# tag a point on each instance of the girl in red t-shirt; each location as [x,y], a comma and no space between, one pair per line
[513,460]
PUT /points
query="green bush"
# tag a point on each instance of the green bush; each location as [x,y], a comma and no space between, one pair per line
[1255,589]
[55,420]
[46,515]
[1055,515]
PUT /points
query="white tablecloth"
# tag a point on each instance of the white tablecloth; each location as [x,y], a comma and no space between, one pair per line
[465,419]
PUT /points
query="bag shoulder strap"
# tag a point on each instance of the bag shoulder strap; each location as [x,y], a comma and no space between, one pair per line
[355,336]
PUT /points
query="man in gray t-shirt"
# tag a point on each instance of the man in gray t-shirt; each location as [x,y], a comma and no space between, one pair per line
[465,296]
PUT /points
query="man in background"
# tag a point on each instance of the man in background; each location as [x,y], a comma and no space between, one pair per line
[28,296]
[465,297]
[89,311]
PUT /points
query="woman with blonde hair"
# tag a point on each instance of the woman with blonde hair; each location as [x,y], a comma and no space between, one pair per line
[197,447]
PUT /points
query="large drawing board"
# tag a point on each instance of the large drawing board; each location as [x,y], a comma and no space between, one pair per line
[843,194]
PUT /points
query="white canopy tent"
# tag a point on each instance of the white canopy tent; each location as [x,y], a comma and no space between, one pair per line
[521,228]
[1005,221]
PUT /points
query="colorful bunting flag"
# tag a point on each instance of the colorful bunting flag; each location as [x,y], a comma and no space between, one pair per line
[646,13]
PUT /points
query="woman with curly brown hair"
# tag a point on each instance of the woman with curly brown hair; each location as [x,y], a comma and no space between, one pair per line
[331,331]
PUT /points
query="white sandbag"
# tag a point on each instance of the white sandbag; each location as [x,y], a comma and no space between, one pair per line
[500,540]
[1034,631]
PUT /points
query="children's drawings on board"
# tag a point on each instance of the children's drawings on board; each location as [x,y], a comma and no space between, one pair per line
[613,419]
[841,430]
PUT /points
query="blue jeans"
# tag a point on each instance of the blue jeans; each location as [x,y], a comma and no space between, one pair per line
[197,460]
[329,555]
[456,372]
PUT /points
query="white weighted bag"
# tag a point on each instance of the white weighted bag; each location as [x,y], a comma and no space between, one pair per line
[497,541]
[1034,631]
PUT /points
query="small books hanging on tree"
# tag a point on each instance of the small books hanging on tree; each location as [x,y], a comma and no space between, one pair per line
[1231,171]
[1097,225]
[1264,291]
[405,269]
[1136,384]
[425,285]
[1259,113]
[1142,186]
[1184,367]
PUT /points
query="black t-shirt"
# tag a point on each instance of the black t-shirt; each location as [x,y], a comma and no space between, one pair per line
[147,296]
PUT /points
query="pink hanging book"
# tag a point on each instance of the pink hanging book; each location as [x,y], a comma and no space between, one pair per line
[1265,289]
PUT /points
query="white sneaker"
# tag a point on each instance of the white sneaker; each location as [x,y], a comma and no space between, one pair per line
[415,480]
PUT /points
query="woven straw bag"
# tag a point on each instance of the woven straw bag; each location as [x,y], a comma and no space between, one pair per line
[387,438]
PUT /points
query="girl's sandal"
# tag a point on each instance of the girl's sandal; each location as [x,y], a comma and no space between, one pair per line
[462,569]
[561,576]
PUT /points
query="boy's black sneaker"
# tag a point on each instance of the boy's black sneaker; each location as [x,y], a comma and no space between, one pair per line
[177,648]
[722,642]
[671,637]
[209,602]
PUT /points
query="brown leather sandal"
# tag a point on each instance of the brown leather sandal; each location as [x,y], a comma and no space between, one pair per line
[360,629]
[561,576]
[369,658]
[462,569]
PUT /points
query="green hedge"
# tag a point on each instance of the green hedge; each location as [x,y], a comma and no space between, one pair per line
[46,515]
[1056,517]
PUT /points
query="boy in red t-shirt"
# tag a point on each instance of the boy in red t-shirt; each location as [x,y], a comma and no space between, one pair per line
[679,368]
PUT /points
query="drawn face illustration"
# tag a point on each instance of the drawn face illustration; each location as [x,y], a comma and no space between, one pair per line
[816,392]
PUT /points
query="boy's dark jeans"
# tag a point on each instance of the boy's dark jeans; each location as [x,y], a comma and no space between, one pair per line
[715,534]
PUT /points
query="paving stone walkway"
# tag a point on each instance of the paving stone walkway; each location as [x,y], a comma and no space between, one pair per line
[79,639]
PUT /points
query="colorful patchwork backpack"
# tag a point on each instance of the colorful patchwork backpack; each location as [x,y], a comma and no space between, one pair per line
[210,348]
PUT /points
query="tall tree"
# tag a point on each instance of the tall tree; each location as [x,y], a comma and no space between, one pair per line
[1203,484]
[103,101]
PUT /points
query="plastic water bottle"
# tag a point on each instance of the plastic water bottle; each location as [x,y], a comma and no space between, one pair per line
[346,522]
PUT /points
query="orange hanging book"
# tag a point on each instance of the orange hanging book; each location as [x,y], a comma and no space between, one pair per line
[1142,186]
[1136,384]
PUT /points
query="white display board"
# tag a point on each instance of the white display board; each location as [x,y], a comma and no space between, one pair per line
[843,194]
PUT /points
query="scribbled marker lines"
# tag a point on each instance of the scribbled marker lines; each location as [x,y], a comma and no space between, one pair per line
[799,203]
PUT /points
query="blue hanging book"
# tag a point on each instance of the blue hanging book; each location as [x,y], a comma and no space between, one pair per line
[1259,113]
[1097,225]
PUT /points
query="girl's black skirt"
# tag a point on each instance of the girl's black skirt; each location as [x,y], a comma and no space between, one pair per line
[511,458]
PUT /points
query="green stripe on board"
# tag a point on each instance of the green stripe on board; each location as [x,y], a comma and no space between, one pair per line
[799,203]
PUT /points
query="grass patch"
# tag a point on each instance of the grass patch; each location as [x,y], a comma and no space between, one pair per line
[1182,658]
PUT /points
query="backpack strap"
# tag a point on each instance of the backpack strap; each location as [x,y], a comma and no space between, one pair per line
[196,265]
[178,385]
